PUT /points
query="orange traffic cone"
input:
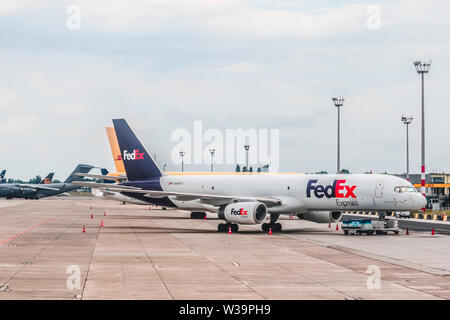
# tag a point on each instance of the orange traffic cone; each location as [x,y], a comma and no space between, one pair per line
[84,229]
[407,231]
[229,230]
[337,226]
[270,231]
[204,217]
[291,216]
[92,216]
[432,231]
[101,224]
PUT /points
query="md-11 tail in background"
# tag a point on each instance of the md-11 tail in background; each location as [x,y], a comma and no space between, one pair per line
[249,198]
[2,176]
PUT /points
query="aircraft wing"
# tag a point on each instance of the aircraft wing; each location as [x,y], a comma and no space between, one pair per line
[36,186]
[102,177]
[183,196]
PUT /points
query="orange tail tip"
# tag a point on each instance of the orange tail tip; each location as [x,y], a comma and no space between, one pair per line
[115,150]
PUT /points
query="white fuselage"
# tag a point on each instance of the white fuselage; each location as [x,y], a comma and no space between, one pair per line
[299,192]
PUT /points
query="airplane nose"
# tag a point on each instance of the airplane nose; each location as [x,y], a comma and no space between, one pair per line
[421,201]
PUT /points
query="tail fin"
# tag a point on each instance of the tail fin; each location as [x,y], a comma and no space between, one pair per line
[139,165]
[48,179]
[2,176]
[105,173]
[81,168]
[114,145]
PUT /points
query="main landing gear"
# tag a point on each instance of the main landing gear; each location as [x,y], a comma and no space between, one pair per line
[198,215]
[274,225]
[225,227]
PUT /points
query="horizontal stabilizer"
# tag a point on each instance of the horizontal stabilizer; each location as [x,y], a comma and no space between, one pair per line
[101,177]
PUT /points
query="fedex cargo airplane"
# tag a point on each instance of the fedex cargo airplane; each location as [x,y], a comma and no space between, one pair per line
[249,198]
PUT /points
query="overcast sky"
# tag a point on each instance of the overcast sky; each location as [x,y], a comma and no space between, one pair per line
[231,64]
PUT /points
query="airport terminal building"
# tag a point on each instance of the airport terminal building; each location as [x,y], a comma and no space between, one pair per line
[437,186]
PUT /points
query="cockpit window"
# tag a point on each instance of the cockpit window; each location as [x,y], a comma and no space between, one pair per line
[404,189]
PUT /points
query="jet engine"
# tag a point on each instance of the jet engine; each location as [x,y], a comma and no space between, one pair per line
[22,192]
[244,212]
[321,216]
[28,192]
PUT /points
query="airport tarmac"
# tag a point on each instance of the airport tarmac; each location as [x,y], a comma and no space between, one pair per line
[162,254]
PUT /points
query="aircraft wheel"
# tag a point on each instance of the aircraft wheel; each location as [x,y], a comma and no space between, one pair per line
[221,227]
[265,227]
[234,228]
[278,227]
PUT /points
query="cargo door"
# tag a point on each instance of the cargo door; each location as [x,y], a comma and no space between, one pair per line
[379,189]
[378,196]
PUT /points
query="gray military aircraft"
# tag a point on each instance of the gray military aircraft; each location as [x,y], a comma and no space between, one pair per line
[45,188]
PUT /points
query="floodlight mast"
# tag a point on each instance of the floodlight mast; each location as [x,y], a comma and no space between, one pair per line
[212,151]
[246,147]
[422,68]
[407,121]
[338,102]
[182,153]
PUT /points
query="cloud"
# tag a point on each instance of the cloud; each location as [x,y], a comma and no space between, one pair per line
[232,64]
[242,67]
[19,125]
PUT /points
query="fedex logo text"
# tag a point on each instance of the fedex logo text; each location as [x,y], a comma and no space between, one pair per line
[335,190]
[240,212]
[135,155]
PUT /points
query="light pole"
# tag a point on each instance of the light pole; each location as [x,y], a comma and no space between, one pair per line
[407,121]
[182,153]
[338,102]
[422,68]
[247,147]
[212,158]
